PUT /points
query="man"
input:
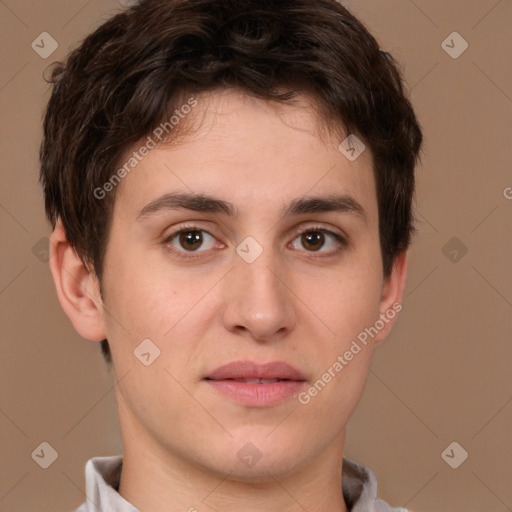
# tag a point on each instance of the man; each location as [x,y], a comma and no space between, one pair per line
[230,186]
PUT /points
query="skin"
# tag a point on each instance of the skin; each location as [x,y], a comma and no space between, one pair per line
[297,303]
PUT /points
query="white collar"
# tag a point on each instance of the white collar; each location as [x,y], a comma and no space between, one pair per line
[102,475]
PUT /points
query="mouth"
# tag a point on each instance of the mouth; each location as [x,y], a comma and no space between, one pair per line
[254,381]
[249,370]
[256,385]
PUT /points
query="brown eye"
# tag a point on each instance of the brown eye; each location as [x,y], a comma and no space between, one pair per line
[313,240]
[320,240]
[191,240]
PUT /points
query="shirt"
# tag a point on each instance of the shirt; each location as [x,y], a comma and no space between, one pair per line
[103,474]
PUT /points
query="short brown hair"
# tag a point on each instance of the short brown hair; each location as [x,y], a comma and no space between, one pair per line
[136,68]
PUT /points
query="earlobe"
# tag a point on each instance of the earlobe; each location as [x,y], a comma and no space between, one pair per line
[77,287]
[391,298]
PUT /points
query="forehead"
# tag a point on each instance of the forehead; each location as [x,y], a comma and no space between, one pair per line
[249,152]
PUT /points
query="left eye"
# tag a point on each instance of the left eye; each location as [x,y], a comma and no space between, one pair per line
[192,240]
[316,239]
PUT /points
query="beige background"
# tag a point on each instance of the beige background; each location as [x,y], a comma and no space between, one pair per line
[444,373]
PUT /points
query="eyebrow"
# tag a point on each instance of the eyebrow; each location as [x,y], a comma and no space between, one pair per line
[207,204]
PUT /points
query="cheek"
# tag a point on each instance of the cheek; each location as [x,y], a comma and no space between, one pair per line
[341,360]
[349,301]
[347,304]
[147,301]
[135,304]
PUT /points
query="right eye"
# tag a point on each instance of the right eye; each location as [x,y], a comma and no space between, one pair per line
[190,240]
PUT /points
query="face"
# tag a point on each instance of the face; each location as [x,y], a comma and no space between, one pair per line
[248,255]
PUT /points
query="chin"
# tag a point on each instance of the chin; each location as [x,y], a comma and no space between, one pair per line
[255,458]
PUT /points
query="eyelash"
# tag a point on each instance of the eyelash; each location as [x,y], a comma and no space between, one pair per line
[343,242]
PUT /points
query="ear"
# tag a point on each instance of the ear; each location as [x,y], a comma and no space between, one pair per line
[77,287]
[391,298]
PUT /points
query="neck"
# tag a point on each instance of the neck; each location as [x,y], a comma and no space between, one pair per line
[153,481]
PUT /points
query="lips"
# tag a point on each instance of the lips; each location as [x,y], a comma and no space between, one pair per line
[249,371]
[256,385]
[258,381]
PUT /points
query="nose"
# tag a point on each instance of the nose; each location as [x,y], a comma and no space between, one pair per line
[259,300]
